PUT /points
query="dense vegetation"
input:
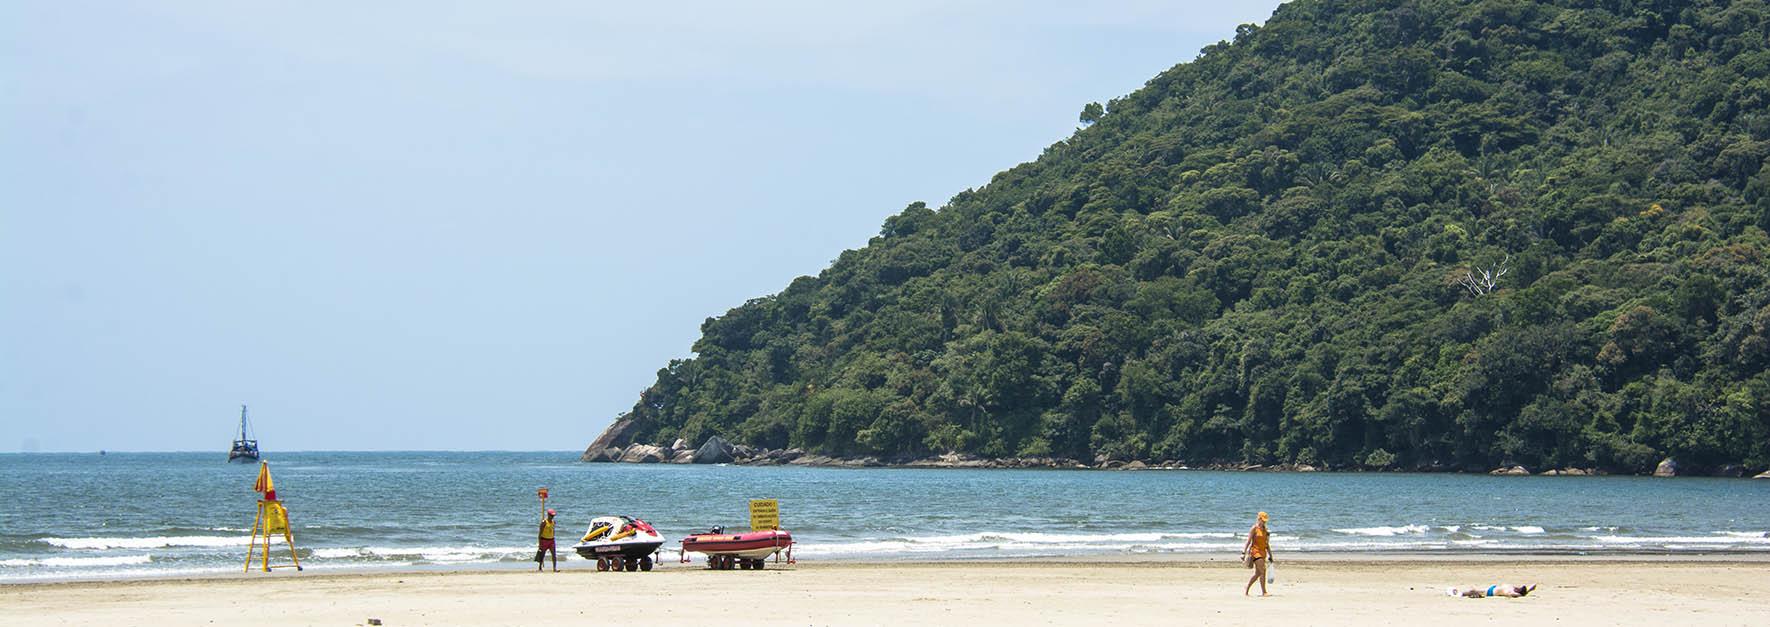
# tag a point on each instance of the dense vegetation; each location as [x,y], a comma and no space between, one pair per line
[1260,257]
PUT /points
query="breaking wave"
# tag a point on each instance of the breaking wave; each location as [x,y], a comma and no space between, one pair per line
[77,562]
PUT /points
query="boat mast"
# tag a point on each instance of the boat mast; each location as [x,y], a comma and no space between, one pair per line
[242,423]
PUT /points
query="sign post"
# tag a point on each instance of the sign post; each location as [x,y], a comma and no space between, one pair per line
[765,514]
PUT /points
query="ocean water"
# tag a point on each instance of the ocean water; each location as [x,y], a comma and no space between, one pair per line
[84,516]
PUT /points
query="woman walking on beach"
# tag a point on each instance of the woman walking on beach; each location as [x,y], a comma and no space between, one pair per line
[1256,553]
[547,545]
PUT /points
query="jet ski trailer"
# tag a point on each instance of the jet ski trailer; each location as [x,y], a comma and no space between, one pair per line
[620,543]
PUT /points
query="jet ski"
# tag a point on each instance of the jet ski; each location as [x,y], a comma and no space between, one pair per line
[747,551]
[619,543]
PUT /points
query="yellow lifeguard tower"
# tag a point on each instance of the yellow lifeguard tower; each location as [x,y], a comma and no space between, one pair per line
[273,518]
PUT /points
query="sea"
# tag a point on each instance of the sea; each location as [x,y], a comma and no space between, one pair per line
[135,515]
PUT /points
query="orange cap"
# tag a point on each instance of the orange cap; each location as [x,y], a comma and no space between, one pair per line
[1263,517]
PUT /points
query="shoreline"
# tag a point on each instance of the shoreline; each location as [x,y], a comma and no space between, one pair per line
[717,451]
[869,463]
[577,564]
[1320,590]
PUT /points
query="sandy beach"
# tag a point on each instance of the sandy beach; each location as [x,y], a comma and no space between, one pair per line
[1308,592]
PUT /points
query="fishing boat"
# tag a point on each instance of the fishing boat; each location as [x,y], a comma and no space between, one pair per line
[746,551]
[245,450]
[620,543]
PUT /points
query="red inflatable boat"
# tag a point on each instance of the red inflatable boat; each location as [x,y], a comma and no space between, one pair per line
[747,551]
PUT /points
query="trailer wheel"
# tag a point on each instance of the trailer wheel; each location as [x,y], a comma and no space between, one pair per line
[632,565]
[601,565]
[645,563]
[761,563]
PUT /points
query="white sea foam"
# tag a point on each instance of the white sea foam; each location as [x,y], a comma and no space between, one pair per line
[1526,529]
[1385,531]
[1061,538]
[77,562]
[462,553]
[108,573]
[999,537]
[1020,542]
[157,542]
[1710,540]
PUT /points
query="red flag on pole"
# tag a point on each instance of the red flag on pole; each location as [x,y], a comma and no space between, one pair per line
[264,485]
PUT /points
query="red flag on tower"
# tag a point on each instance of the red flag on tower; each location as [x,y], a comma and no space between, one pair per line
[264,485]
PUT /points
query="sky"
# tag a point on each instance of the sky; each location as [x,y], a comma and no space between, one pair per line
[477,225]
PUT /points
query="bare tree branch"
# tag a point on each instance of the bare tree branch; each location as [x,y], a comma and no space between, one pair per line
[1483,281]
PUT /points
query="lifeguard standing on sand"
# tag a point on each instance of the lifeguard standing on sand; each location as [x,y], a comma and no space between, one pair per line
[547,545]
[1256,553]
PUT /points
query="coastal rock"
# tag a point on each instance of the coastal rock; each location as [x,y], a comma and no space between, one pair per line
[767,456]
[682,457]
[1763,475]
[1513,471]
[1111,464]
[594,454]
[1668,467]
[1305,468]
[959,460]
[679,444]
[644,454]
[617,435]
[1730,470]
[714,451]
[742,452]
[1135,465]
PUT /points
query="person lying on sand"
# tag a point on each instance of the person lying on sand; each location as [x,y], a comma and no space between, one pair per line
[1496,590]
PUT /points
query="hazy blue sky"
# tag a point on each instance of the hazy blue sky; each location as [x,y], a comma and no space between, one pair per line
[477,225]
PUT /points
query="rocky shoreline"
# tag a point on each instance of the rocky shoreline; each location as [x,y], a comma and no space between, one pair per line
[616,445]
[717,450]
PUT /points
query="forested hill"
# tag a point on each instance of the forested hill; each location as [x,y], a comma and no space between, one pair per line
[1264,256]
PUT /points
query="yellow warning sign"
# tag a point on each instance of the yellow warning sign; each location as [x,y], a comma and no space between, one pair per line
[765,514]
